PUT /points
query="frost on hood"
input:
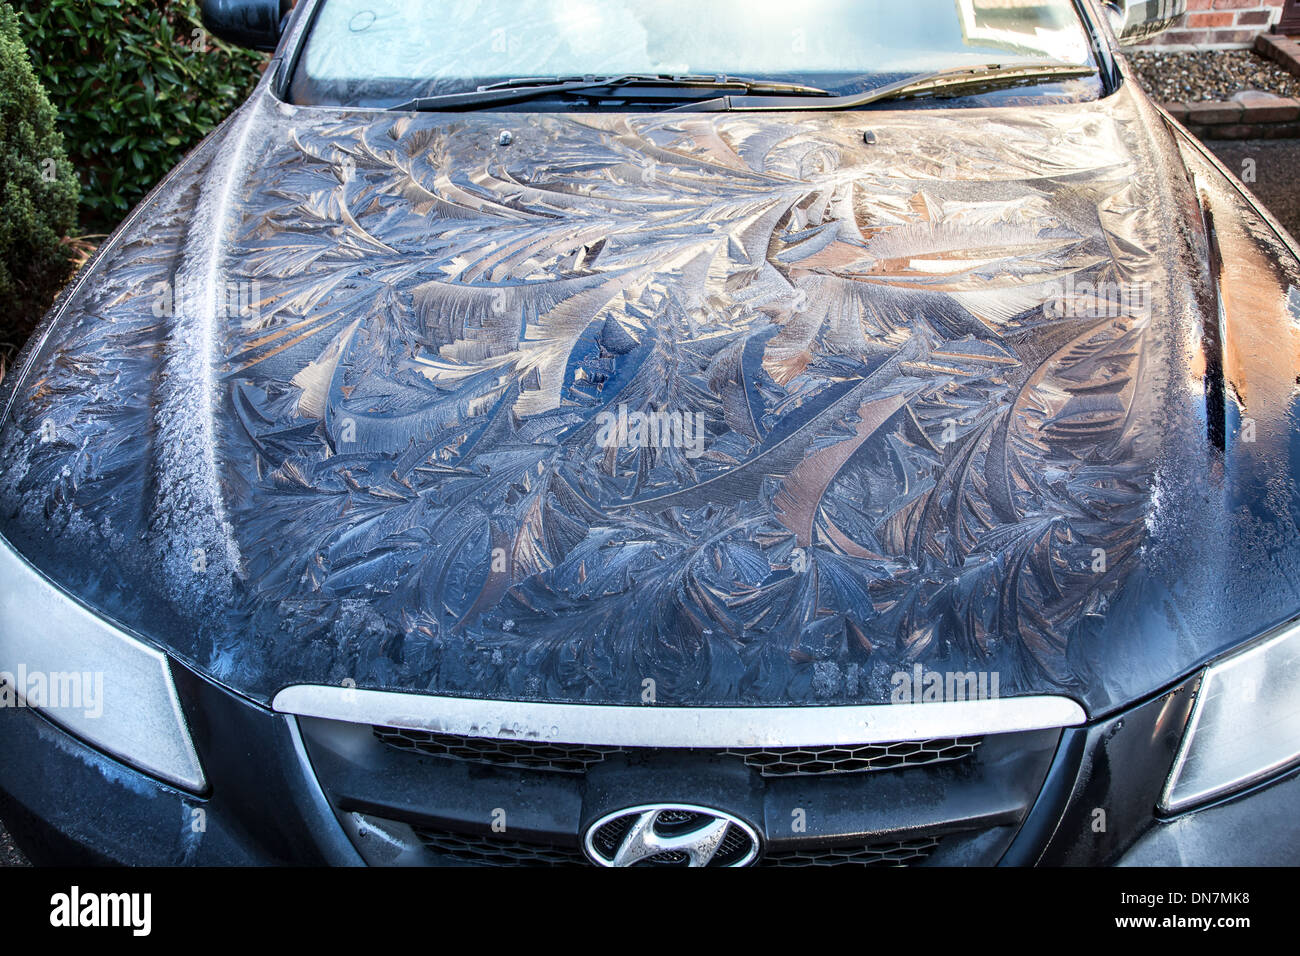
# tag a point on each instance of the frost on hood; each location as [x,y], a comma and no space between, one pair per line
[928,434]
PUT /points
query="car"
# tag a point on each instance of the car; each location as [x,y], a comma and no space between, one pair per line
[665,434]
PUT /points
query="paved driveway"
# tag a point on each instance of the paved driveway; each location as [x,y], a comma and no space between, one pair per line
[1276,170]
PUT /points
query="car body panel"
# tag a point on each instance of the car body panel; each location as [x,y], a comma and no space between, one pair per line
[328,408]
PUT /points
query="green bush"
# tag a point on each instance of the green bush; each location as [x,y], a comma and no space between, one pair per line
[137,83]
[38,192]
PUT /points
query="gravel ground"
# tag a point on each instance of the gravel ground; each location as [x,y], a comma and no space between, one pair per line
[1211,75]
[9,854]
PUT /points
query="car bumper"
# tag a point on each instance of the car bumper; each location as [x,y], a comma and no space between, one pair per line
[65,802]
[1260,828]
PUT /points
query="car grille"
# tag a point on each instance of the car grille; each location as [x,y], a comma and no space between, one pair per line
[419,797]
[892,756]
[770,762]
[490,850]
[897,853]
[507,753]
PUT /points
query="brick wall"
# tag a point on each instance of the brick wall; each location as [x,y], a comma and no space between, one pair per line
[1219,25]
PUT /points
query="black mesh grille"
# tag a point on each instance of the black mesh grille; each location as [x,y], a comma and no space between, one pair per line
[770,762]
[530,755]
[607,839]
[792,761]
[493,850]
[898,853]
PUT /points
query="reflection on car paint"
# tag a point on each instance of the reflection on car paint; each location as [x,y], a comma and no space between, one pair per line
[930,434]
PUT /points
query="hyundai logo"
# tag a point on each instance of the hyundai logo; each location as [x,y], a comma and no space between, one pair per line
[670,834]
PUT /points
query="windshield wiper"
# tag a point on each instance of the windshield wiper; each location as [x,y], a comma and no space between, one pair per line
[965,78]
[528,88]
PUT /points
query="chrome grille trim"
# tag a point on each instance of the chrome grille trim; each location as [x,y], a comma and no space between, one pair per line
[601,725]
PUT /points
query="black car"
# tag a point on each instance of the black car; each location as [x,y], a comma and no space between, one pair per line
[744,432]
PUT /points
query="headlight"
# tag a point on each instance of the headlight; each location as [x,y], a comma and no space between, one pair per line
[1245,725]
[103,685]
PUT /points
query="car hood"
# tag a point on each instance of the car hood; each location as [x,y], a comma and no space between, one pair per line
[693,409]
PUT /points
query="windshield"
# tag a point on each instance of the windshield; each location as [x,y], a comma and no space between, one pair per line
[383,52]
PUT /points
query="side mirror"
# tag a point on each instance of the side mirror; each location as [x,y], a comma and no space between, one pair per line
[1135,20]
[250,23]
